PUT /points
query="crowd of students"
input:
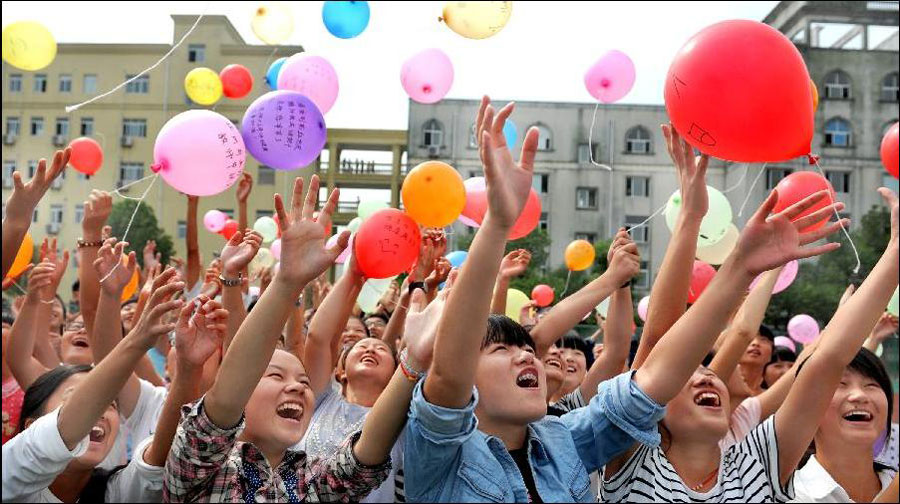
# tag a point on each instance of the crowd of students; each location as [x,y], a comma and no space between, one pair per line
[193,391]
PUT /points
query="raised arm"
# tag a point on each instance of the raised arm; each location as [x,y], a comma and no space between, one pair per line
[668,298]
[43,349]
[194,266]
[438,276]
[25,368]
[244,187]
[395,325]
[303,258]
[886,326]
[797,420]
[96,210]
[236,255]
[22,202]
[513,264]
[459,335]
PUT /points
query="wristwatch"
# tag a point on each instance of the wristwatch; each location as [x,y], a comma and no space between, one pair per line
[416,285]
[231,283]
[86,244]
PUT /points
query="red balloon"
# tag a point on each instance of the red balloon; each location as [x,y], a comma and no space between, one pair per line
[476,209]
[386,244]
[237,81]
[890,157]
[700,278]
[87,156]
[798,186]
[542,294]
[739,90]
[231,227]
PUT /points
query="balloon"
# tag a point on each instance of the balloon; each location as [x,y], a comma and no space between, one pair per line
[579,255]
[272,23]
[529,218]
[273,71]
[476,202]
[427,76]
[718,252]
[892,306]
[253,290]
[263,259]
[815,94]
[880,350]
[87,155]
[715,223]
[890,150]
[739,90]
[542,294]
[132,285]
[230,227]
[510,133]
[354,224]
[345,19]
[311,76]
[457,258]
[798,186]
[702,274]
[785,278]
[477,20]
[23,257]
[199,152]
[28,45]
[275,249]
[803,329]
[611,77]
[214,221]
[237,81]
[367,208]
[642,307]
[603,307]
[386,244]
[433,194]
[203,86]
[284,130]
[345,254]
[515,300]
[371,293]
[784,341]
[267,227]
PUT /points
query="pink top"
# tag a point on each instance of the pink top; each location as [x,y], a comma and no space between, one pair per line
[12,408]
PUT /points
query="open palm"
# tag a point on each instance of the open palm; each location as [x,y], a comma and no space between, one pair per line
[200,331]
[239,251]
[422,322]
[113,275]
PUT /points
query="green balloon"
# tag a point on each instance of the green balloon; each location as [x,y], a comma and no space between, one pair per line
[515,300]
[353,225]
[267,227]
[367,208]
[892,307]
[371,293]
[715,223]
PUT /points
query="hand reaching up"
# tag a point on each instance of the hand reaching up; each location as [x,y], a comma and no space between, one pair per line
[151,326]
[25,196]
[199,331]
[151,257]
[239,251]
[40,278]
[422,323]
[48,253]
[625,263]
[515,263]
[691,173]
[439,274]
[96,210]
[244,186]
[112,272]
[890,199]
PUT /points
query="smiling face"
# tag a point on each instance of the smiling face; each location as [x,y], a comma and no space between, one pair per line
[575,366]
[376,326]
[511,384]
[857,414]
[127,313]
[700,409]
[75,347]
[759,353]
[353,332]
[553,367]
[370,359]
[776,370]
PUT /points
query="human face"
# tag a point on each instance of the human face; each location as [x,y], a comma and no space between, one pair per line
[353,332]
[776,370]
[759,353]
[75,347]
[553,367]
[700,410]
[511,384]
[575,367]
[376,327]
[857,414]
[56,316]
[370,359]
[127,313]
[281,405]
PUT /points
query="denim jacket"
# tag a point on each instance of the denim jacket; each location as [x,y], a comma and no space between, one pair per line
[449,460]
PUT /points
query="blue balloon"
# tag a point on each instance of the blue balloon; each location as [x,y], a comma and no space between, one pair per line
[457,258]
[272,73]
[510,133]
[345,19]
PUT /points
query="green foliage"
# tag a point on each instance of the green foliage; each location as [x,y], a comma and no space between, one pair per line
[143,229]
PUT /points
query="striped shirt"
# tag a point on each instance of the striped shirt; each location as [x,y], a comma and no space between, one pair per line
[748,472]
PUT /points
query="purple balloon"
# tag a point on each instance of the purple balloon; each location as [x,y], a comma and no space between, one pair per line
[803,329]
[784,341]
[284,130]
[785,278]
[611,77]
[427,76]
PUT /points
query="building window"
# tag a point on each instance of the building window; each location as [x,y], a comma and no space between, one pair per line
[141,85]
[591,237]
[134,127]
[15,83]
[32,168]
[890,88]
[774,176]
[62,126]
[79,213]
[37,126]
[540,182]
[584,153]
[586,198]
[840,180]
[637,187]
[265,175]
[641,234]
[34,216]
[264,213]
[87,126]
[643,279]
[131,172]
[544,222]
[637,141]
[837,85]
[433,133]
[545,138]
[90,83]
[12,126]
[40,83]
[196,53]
[56,214]
[182,229]
[837,133]
[9,166]
[65,83]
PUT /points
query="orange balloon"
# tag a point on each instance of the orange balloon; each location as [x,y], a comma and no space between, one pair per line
[579,255]
[815,94]
[433,194]
[132,286]
[23,257]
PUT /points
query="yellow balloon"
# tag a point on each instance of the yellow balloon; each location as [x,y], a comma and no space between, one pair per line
[433,194]
[272,23]
[515,300]
[203,86]
[28,45]
[23,257]
[477,20]
[815,94]
[716,253]
[579,255]
[132,285]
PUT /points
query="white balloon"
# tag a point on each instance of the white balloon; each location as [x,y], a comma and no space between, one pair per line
[716,253]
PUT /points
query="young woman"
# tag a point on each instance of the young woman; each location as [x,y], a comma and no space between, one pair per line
[782,361]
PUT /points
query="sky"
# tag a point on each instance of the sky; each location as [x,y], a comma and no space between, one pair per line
[541,54]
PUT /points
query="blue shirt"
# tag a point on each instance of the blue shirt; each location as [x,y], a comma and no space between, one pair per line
[447,459]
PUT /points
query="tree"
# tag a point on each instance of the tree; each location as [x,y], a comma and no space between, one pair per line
[143,229]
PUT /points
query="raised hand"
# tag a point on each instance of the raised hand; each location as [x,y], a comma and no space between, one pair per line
[199,331]
[110,266]
[239,251]
[622,238]
[48,253]
[152,258]
[150,326]
[40,278]
[515,263]
[625,263]
[96,211]
[25,196]
[439,274]
[691,173]
[528,313]
[887,325]
[769,241]
[422,323]
[890,199]
[244,186]
[434,244]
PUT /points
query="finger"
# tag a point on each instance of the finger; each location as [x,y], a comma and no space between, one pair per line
[702,163]
[329,208]
[529,149]
[687,153]
[488,120]
[630,248]
[236,239]
[339,245]
[814,236]
[41,173]
[890,199]
[312,197]
[282,215]
[816,251]
[497,126]
[17,181]
[297,200]
[818,215]
[185,315]
[160,309]
[480,117]
[762,213]
[165,292]
[675,149]
[132,262]
[451,278]
[667,135]
[418,301]
[160,330]
[806,203]
[486,159]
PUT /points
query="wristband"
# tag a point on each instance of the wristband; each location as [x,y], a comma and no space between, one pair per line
[410,373]
[416,285]
[86,244]
[231,283]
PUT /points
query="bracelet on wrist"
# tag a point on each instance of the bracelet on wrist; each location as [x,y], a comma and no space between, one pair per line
[231,282]
[410,373]
[89,244]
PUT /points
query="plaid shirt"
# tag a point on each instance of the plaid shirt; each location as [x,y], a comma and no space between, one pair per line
[208,464]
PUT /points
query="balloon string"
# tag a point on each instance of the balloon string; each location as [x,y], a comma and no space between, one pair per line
[131,221]
[648,219]
[740,181]
[269,60]
[566,288]
[126,186]
[590,139]
[72,108]
[836,214]
[750,190]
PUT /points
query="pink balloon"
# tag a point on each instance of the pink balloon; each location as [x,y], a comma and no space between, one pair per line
[476,202]
[643,306]
[341,259]
[199,152]
[214,220]
[784,341]
[803,329]
[275,249]
[427,76]
[785,278]
[312,76]
[611,77]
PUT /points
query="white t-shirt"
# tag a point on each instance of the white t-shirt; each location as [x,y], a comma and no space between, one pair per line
[744,419]
[142,422]
[34,458]
[748,472]
[814,484]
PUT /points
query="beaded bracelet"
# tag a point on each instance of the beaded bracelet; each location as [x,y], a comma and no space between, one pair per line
[410,373]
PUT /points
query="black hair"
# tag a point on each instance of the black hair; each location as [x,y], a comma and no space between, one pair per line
[767,333]
[39,392]
[76,285]
[363,323]
[378,315]
[505,331]
[8,319]
[869,365]
[574,341]
[779,354]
